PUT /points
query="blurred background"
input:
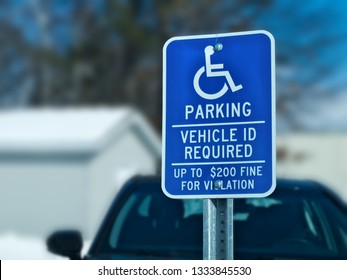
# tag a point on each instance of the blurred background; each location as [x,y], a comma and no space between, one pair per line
[80,87]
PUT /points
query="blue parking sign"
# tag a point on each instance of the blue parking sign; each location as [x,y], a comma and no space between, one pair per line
[219,116]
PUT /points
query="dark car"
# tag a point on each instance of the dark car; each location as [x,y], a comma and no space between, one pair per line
[300,220]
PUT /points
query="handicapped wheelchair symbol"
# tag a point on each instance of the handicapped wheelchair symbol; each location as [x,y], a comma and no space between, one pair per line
[209,67]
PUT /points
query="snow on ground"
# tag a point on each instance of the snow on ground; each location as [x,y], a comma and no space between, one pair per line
[17,247]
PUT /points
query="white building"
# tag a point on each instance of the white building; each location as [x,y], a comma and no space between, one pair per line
[61,168]
[317,156]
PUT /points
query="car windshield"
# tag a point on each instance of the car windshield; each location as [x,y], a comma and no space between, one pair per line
[150,223]
[288,224]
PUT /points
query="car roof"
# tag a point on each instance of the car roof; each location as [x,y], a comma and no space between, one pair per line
[287,185]
[283,183]
[298,184]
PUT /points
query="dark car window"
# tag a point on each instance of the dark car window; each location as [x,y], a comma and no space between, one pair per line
[291,223]
[150,221]
[276,223]
[335,218]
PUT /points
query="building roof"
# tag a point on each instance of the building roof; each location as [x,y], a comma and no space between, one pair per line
[73,130]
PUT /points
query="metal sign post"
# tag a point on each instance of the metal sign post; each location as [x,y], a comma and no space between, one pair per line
[218,234]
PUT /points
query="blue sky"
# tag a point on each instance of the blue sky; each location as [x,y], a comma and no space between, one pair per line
[314,31]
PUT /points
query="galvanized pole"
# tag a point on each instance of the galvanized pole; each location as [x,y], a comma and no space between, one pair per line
[218,229]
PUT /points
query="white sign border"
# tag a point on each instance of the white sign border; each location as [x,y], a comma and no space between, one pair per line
[273,115]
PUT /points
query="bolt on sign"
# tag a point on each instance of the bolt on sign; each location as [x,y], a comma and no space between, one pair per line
[219,116]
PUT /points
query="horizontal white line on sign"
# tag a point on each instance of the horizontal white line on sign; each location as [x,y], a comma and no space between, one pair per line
[221,162]
[216,124]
